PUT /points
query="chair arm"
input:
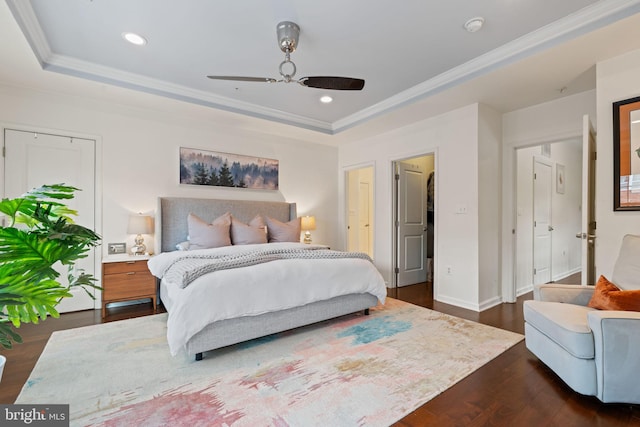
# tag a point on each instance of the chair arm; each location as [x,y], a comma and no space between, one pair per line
[570,294]
[616,336]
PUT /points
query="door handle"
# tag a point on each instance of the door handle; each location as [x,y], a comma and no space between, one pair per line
[585,236]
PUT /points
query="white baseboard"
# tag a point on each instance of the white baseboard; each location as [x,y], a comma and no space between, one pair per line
[522,291]
[458,303]
[492,302]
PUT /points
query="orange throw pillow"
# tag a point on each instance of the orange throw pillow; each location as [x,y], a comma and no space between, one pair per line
[608,296]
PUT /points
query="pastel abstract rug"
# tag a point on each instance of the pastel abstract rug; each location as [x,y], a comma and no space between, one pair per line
[353,371]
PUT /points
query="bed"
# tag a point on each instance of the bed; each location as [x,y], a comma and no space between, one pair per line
[218,308]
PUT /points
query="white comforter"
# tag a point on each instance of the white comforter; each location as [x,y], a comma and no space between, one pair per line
[258,289]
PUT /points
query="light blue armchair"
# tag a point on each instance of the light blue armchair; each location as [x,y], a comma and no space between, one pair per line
[595,352]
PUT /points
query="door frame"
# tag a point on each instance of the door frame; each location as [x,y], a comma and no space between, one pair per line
[509,206]
[97,184]
[393,207]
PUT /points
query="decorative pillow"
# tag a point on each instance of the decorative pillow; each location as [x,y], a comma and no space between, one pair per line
[283,232]
[183,246]
[245,234]
[608,296]
[204,236]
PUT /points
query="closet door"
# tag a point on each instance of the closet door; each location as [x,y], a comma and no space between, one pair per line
[34,159]
[411,224]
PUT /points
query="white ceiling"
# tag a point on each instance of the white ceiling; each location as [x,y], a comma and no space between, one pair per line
[408,52]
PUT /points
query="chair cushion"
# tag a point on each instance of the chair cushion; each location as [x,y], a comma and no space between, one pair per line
[626,271]
[608,296]
[564,324]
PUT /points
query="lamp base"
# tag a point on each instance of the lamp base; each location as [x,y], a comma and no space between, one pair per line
[307,237]
[139,248]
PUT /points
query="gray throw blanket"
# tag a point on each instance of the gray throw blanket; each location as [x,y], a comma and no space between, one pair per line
[188,268]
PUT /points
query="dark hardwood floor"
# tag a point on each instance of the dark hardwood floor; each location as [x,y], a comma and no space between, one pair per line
[514,389]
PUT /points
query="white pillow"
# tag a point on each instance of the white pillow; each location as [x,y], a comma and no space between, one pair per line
[183,246]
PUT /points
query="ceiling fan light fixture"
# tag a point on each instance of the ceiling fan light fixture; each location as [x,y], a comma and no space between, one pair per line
[474,24]
[288,33]
[134,38]
[326,99]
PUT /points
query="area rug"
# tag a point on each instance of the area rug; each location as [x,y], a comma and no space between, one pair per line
[356,370]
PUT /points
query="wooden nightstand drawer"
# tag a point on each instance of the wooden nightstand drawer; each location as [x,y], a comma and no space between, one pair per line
[125,267]
[129,285]
[127,280]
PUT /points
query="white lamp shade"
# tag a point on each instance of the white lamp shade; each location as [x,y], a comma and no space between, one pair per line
[308,223]
[139,224]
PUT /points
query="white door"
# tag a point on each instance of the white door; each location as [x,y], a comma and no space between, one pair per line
[542,228]
[35,159]
[359,193]
[364,217]
[411,224]
[588,233]
[352,210]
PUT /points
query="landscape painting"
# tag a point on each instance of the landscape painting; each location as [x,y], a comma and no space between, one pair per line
[201,167]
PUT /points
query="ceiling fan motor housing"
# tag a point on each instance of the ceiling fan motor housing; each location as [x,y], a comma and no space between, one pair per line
[288,33]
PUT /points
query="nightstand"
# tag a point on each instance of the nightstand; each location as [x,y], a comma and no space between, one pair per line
[126,278]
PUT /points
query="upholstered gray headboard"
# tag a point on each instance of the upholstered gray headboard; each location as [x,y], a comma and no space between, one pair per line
[172,212]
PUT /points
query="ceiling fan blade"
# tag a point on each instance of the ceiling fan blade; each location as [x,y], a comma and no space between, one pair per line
[244,79]
[333,83]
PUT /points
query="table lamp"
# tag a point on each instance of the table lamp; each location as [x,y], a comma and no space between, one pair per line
[308,223]
[139,225]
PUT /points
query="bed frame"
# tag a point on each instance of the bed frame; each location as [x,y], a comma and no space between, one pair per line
[171,229]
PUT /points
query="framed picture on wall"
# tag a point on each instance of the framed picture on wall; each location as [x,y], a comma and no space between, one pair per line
[212,168]
[560,178]
[626,155]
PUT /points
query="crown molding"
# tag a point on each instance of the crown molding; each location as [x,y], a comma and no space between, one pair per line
[87,70]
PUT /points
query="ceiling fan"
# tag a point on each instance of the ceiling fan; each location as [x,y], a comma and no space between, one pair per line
[288,33]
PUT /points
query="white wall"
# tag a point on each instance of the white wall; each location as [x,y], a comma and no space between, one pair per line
[489,205]
[617,79]
[453,137]
[140,149]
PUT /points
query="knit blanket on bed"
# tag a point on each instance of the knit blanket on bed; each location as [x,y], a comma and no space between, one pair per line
[188,268]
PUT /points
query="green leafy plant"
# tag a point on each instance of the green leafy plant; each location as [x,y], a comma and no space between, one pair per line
[40,236]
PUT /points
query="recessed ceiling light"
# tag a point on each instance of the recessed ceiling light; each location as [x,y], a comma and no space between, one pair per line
[326,99]
[134,38]
[474,24]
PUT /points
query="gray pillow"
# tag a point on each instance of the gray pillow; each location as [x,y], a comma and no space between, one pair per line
[283,231]
[205,236]
[245,234]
